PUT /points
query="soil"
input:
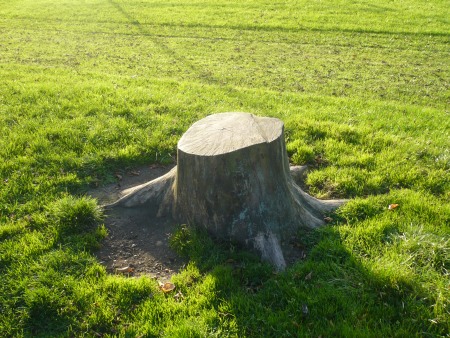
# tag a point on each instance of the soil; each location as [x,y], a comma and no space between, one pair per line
[137,241]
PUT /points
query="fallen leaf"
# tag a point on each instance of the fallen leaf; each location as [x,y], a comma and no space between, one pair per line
[126,269]
[134,173]
[392,206]
[119,177]
[308,276]
[318,159]
[167,287]
[328,219]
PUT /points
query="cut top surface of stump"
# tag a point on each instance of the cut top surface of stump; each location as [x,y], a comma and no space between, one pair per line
[226,132]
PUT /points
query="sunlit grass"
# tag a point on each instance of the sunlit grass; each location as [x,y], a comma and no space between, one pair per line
[89,87]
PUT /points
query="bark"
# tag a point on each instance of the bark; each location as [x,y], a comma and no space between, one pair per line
[233,178]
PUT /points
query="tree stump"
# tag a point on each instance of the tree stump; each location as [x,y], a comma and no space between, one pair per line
[233,178]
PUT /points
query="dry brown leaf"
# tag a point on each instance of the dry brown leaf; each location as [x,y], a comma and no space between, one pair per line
[328,219]
[318,159]
[126,269]
[167,287]
[308,276]
[392,206]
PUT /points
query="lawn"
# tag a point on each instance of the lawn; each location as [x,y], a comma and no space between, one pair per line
[89,87]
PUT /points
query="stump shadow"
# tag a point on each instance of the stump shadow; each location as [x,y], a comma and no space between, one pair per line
[327,292]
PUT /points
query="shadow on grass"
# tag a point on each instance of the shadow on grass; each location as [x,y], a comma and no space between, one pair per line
[330,293]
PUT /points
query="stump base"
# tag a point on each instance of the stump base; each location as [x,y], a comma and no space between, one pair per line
[233,178]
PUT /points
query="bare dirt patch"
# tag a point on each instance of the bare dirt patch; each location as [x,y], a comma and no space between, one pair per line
[137,241]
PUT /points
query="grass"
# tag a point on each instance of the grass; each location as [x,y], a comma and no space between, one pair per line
[89,87]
